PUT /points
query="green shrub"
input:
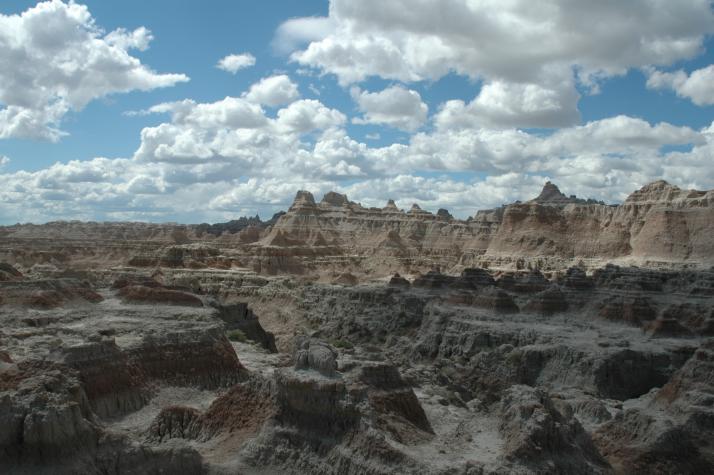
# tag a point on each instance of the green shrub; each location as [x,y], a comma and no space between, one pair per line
[515,357]
[237,335]
[342,344]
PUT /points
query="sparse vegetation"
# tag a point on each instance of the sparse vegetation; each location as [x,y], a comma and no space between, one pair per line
[237,335]
[342,344]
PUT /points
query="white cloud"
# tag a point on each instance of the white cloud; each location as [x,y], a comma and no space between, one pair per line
[295,32]
[234,62]
[501,104]
[4,160]
[56,59]
[234,137]
[697,86]
[308,114]
[196,169]
[125,40]
[394,106]
[273,91]
[208,161]
[530,57]
[410,40]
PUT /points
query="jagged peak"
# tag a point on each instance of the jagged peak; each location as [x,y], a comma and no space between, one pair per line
[391,206]
[550,193]
[303,198]
[443,213]
[655,191]
[335,199]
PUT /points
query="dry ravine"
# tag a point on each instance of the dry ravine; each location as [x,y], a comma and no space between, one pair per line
[559,335]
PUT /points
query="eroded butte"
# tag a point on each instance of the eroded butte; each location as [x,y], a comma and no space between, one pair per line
[557,335]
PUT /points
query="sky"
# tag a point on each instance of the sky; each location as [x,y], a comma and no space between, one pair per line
[193,112]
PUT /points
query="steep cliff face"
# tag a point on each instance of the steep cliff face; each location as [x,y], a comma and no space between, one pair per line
[658,225]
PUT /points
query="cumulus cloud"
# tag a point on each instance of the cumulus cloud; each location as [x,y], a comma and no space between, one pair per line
[394,106]
[56,59]
[4,160]
[308,114]
[234,137]
[411,40]
[200,167]
[697,86]
[295,32]
[529,57]
[273,91]
[208,161]
[235,62]
[501,104]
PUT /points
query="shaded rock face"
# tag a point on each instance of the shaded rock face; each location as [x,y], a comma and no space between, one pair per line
[242,410]
[47,293]
[576,278]
[195,256]
[665,328]
[548,302]
[316,355]
[634,310]
[531,282]
[434,280]
[343,422]
[631,279]
[303,199]
[239,316]
[496,300]
[658,225]
[541,439]
[8,272]
[141,294]
[444,214]
[300,421]
[398,281]
[345,278]
[45,414]
[477,277]
[394,401]
[64,381]
[673,433]
[118,382]
[534,367]
[335,199]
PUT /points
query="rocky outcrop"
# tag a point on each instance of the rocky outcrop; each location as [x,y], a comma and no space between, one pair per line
[505,347]
[670,433]
[658,225]
[398,281]
[47,293]
[8,272]
[547,302]
[496,300]
[240,412]
[239,316]
[541,439]
[141,294]
[68,372]
[633,310]
[317,356]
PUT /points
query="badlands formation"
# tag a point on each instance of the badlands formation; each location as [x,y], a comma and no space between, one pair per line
[557,335]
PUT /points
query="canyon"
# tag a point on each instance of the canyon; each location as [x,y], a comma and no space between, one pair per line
[555,335]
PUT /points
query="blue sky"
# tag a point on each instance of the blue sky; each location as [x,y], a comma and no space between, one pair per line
[438,102]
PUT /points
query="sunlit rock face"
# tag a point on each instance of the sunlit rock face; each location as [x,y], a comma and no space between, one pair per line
[659,225]
[336,338]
